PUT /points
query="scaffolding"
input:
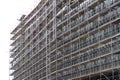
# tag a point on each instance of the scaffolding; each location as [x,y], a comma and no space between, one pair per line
[68,40]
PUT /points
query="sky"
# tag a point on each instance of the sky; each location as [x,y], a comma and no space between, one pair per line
[10,11]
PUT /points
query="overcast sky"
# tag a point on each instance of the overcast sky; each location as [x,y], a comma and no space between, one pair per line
[10,11]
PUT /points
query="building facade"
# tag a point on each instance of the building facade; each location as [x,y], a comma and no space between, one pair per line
[68,40]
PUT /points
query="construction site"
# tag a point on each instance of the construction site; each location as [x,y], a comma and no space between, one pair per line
[67,40]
